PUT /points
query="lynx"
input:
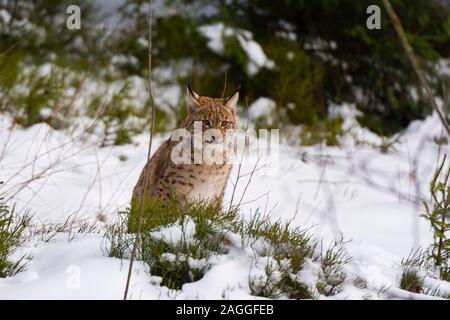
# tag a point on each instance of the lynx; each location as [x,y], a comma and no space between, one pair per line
[192,180]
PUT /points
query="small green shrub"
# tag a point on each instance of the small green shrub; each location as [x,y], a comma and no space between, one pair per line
[435,260]
[439,217]
[158,213]
[416,268]
[117,241]
[201,231]
[293,253]
[332,260]
[411,281]
[182,260]
[202,228]
[295,84]
[28,90]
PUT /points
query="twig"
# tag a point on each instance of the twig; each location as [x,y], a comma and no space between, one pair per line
[248,182]
[97,178]
[328,181]
[152,127]
[410,53]
[240,162]
[47,171]
[266,194]
[12,47]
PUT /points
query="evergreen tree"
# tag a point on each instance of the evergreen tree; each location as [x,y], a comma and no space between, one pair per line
[322,50]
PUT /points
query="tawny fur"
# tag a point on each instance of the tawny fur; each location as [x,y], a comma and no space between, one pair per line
[190,181]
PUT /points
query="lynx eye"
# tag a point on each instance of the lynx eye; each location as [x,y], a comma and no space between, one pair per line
[206,123]
[225,124]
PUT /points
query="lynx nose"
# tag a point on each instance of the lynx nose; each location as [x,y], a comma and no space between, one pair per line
[213,136]
[213,139]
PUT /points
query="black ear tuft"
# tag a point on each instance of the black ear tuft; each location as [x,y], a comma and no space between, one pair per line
[238,88]
[191,92]
[189,87]
[191,98]
[231,96]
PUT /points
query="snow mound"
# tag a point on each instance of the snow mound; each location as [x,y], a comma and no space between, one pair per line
[363,189]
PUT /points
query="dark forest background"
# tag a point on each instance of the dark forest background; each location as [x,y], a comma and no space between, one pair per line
[322,51]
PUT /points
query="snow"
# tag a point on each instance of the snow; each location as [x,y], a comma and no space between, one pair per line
[5,16]
[44,70]
[175,233]
[355,189]
[124,60]
[76,270]
[214,34]
[256,55]
[444,67]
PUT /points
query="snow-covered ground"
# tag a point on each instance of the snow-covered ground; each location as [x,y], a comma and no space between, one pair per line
[372,198]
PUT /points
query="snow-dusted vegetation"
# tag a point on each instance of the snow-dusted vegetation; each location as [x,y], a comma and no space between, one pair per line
[363,194]
[355,208]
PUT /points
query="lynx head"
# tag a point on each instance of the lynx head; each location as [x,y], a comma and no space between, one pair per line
[215,115]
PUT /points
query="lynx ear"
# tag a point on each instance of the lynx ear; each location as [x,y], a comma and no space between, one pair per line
[191,99]
[231,101]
